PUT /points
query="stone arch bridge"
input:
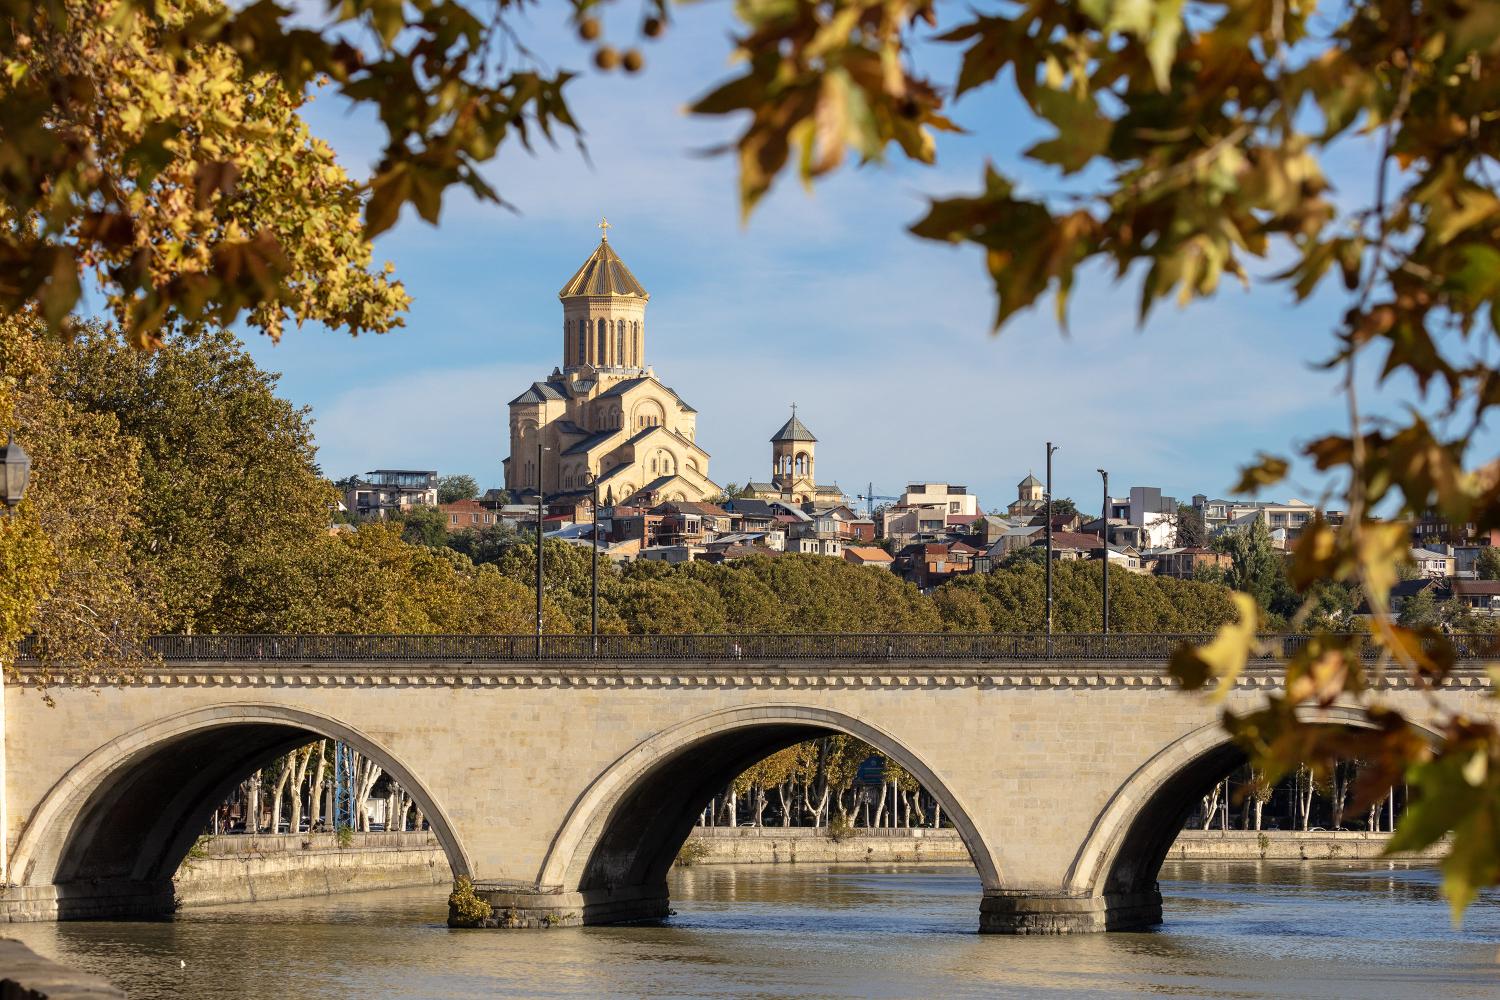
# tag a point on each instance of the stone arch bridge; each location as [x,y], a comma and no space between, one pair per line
[564,783]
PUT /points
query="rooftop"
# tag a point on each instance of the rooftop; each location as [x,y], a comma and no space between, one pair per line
[604,273]
[793,430]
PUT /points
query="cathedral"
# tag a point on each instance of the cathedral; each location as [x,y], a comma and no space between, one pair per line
[603,413]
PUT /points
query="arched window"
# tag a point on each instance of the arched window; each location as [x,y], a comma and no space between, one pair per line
[640,346]
[620,342]
[583,341]
[599,355]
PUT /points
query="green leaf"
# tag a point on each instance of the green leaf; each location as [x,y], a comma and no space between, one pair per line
[1083,133]
[1161,40]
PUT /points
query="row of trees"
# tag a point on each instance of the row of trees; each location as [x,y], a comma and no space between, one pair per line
[296,792]
[836,781]
[839,782]
[1300,801]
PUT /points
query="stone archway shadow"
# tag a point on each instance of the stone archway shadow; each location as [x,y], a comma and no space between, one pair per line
[622,832]
[109,835]
[1131,837]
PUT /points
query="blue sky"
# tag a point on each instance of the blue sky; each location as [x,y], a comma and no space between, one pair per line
[882,340]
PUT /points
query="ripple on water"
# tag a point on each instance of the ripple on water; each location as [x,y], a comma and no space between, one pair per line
[1231,930]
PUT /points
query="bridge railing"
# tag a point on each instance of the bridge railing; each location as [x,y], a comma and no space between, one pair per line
[776,647]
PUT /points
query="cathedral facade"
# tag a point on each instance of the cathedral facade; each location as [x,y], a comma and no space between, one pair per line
[604,413]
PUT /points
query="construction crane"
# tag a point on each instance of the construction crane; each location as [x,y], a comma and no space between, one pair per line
[869,497]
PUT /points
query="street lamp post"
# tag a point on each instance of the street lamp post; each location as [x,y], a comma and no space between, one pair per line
[541,508]
[1104,531]
[594,608]
[15,471]
[1050,449]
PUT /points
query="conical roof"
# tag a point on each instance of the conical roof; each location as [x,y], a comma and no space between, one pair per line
[604,273]
[793,430]
[1030,480]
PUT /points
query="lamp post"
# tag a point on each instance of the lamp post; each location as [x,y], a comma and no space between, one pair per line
[15,470]
[1104,517]
[1050,449]
[541,508]
[594,605]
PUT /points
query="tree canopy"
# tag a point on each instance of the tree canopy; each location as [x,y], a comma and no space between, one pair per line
[457,487]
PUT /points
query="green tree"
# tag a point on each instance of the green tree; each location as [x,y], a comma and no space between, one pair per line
[70,579]
[487,544]
[1191,529]
[227,469]
[423,525]
[1487,563]
[1064,507]
[1420,610]
[1257,567]
[457,487]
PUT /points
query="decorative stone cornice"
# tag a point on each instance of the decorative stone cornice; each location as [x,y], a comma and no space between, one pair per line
[802,675]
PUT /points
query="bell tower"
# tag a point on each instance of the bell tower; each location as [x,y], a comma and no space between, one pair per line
[604,313]
[792,451]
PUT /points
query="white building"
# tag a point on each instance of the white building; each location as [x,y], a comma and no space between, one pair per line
[949,498]
[1145,508]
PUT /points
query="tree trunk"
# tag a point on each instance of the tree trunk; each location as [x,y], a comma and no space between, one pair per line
[252,805]
[367,772]
[304,757]
[282,780]
[1210,806]
[786,807]
[315,788]
[880,806]
[937,814]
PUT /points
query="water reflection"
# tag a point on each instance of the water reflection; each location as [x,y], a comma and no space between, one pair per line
[1261,929]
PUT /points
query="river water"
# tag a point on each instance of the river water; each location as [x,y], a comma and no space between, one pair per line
[1232,930]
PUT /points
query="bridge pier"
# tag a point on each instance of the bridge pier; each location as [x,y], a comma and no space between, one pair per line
[1021,912]
[113,899]
[514,906]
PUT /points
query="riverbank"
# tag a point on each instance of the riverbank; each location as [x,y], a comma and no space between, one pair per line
[793,845]
[242,869]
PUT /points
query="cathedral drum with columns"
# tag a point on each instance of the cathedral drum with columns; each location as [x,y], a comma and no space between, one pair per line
[604,413]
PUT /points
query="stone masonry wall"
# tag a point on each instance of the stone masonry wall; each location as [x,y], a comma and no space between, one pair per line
[773,845]
[240,869]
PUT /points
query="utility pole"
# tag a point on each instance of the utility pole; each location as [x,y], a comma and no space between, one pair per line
[1050,450]
[1104,517]
[541,508]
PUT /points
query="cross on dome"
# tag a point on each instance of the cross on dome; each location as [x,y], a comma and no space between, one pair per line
[604,228]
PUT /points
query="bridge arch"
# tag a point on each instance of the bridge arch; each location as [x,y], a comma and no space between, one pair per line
[624,830]
[1128,842]
[126,815]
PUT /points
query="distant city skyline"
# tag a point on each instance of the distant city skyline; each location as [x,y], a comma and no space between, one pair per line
[882,340]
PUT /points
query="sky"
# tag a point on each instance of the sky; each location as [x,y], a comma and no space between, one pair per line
[883,341]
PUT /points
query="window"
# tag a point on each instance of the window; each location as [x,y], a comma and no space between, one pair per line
[619,342]
[583,341]
[599,355]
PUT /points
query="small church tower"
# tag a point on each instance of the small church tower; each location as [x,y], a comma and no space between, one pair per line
[792,450]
